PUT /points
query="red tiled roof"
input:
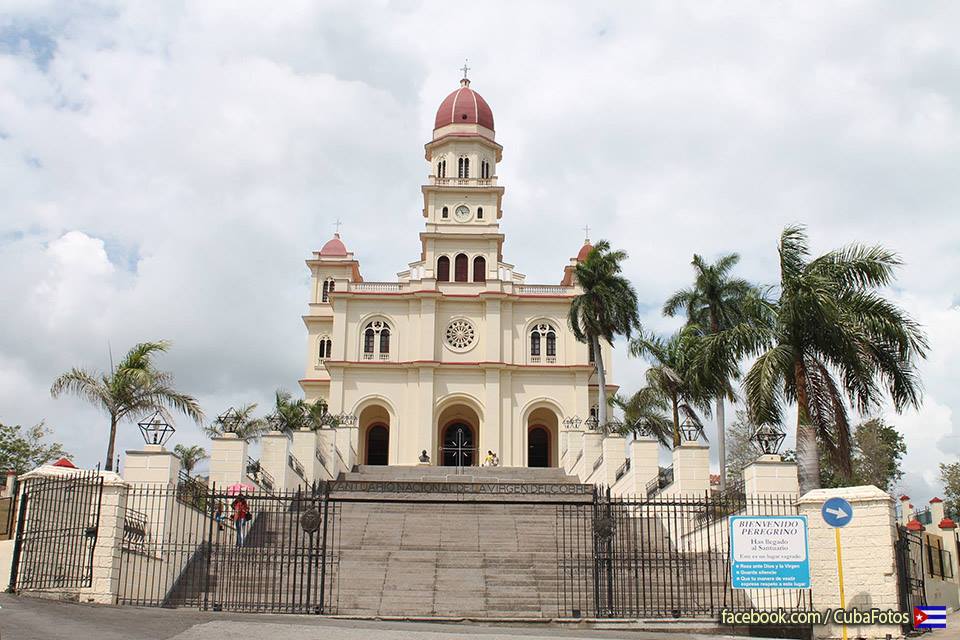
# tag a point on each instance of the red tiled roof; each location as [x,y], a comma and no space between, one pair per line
[935,500]
[65,463]
[334,247]
[464,106]
[947,523]
[914,525]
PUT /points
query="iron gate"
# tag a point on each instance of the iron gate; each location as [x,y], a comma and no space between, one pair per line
[909,551]
[57,532]
[181,548]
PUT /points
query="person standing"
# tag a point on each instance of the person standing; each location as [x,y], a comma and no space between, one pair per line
[241,516]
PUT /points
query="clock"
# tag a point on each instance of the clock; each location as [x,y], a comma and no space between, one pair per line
[462,213]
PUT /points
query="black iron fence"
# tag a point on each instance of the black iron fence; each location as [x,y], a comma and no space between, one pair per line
[909,553]
[57,528]
[660,557]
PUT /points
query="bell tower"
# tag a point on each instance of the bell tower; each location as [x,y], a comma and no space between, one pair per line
[462,200]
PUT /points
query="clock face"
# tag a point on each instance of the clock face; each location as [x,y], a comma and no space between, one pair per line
[462,213]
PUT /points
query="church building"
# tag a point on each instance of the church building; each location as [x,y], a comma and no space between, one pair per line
[459,355]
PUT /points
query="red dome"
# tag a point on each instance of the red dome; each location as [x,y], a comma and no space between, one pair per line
[464,106]
[935,500]
[584,251]
[334,247]
[914,525]
[948,523]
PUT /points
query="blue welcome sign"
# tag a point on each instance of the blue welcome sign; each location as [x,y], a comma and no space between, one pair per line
[769,552]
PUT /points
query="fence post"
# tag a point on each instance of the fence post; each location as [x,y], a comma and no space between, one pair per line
[18,541]
[212,502]
[323,547]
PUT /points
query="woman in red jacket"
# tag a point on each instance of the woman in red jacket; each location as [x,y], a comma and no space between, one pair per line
[241,516]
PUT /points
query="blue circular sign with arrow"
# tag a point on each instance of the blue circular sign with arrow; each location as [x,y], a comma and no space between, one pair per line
[837,512]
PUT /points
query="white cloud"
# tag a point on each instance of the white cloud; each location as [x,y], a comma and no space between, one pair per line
[168,168]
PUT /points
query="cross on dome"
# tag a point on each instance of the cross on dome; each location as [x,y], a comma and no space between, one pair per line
[338,224]
[465,68]
[586,233]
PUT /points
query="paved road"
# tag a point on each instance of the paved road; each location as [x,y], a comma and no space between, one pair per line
[32,619]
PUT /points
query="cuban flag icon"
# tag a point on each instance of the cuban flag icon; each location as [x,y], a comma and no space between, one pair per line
[929,617]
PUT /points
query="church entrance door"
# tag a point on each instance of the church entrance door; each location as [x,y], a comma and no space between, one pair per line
[378,444]
[538,447]
[459,448]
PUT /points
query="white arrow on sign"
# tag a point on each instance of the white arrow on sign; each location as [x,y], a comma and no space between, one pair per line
[838,513]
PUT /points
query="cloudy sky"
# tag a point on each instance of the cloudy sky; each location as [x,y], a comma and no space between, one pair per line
[165,170]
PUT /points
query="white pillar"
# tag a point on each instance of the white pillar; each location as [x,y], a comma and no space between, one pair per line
[614,453]
[105,583]
[304,447]
[770,475]
[592,449]
[228,460]
[691,469]
[645,460]
[574,447]
[274,447]
[869,558]
[151,465]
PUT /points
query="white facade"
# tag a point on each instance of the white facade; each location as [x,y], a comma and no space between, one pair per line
[459,352]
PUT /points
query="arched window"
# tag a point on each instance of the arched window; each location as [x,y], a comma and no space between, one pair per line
[325,348]
[376,341]
[484,169]
[445,213]
[479,269]
[460,267]
[479,213]
[443,269]
[442,169]
[463,168]
[543,332]
[328,286]
[368,340]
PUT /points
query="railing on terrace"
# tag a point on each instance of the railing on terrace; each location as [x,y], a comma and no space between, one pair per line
[463,182]
[322,459]
[256,472]
[598,462]
[191,492]
[134,531]
[924,515]
[623,469]
[543,290]
[294,464]
[579,455]
[375,287]
[663,480]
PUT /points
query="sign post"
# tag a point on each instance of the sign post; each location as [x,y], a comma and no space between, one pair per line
[837,513]
[769,552]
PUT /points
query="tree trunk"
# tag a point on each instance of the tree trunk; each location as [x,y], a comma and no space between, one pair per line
[721,442]
[113,438]
[676,422]
[808,457]
[602,382]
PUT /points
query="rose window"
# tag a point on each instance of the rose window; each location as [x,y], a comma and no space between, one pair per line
[460,335]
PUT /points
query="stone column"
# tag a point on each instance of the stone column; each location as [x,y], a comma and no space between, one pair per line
[869,558]
[691,469]
[906,510]
[770,475]
[228,460]
[614,453]
[151,465]
[645,460]
[574,440]
[592,449]
[304,447]
[274,448]
[105,584]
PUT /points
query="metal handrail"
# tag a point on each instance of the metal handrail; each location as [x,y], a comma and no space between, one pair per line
[623,469]
[294,464]
[598,462]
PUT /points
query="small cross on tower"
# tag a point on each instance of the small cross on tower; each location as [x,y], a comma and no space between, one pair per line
[338,224]
[465,68]
[586,233]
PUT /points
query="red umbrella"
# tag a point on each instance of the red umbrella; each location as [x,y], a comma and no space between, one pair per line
[240,487]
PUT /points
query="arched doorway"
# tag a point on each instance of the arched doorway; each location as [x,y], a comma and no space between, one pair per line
[458,446]
[378,445]
[538,447]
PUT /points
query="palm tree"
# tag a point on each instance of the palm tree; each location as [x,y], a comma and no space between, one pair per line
[672,373]
[606,308]
[292,415]
[834,338]
[645,413]
[245,425]
[131,390]
[716,302]
[190,457]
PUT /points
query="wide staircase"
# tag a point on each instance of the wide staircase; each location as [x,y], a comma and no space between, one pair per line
[437,541]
